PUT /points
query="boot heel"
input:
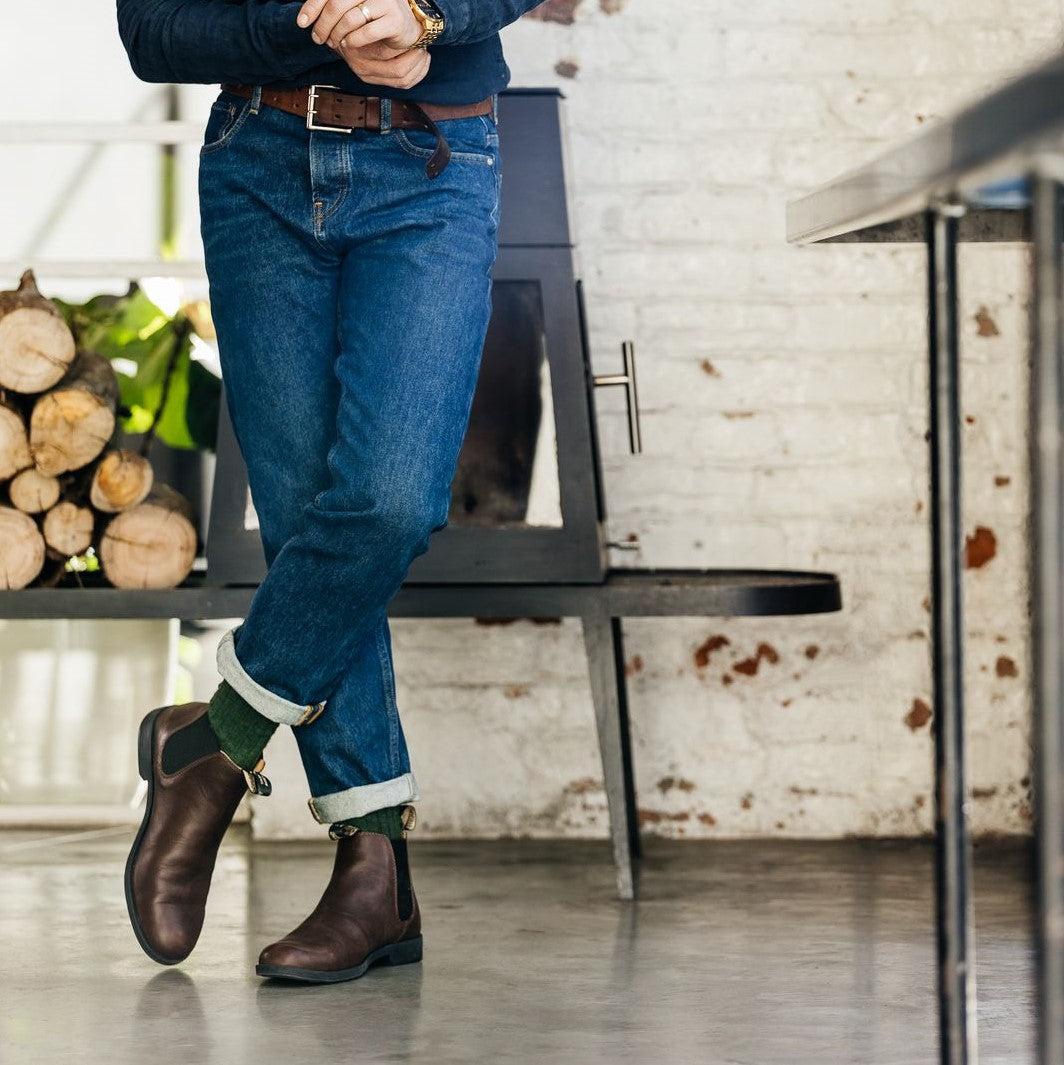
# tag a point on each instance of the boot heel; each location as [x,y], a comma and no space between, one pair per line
[144,738]
[404,953]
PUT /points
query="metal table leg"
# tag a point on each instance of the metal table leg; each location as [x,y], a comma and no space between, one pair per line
[956,969]
[1047,609]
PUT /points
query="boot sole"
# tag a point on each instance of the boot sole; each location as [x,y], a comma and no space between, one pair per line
[144,747]
[393,954]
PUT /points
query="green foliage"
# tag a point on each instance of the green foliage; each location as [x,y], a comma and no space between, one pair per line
[135,332]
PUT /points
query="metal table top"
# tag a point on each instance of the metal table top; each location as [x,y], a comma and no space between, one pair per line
[980,157]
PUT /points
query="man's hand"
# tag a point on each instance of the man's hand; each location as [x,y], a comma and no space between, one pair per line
[343,23]
[378,51]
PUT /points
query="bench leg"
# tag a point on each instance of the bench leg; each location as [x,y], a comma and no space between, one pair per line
[604,644]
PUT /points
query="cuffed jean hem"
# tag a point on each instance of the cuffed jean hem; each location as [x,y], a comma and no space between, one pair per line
[356,802]
[266,702]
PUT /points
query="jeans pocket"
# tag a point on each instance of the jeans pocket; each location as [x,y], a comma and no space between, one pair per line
[473,139]
[228,114]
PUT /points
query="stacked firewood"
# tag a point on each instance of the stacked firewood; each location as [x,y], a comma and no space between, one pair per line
[63,488]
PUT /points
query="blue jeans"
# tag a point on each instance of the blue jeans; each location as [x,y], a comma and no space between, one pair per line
[351,295]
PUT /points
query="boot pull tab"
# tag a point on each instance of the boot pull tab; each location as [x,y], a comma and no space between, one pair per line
[257,783]
[409,817]
[340,831]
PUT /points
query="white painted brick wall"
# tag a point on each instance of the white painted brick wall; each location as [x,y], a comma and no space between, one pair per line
[691,125]
[784,412]
[783,419]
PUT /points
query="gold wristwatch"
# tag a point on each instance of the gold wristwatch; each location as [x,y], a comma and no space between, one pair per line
[431,19]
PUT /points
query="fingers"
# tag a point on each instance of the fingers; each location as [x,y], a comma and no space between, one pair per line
[309,12]
[353,20]
[331,12]
[402,72]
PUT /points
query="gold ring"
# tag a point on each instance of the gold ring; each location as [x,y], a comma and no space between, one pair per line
[365,13]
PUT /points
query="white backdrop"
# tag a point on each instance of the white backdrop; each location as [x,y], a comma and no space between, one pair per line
[783,408]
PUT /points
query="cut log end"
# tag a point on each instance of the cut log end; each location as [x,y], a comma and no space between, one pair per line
[36,345]
[150,545]
[68,429]
[14,443]
[33,492]
[22,549]
[68,528]
[121,480]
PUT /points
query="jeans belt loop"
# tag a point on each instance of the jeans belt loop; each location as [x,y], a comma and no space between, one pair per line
[256,99]
[386,114]
[495,107]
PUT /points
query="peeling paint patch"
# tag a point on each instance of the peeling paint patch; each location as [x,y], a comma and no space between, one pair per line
[812,651]
[986,325]
[666,784]
[545,621]
[709,368]
[980,547]
[707,819]
[583,786]
[970,419]
[563,11]
[918,715]
[727,679]
[796,790]
[655,817]
[747,800]
[984,793]
[612,7]
[566,68]
[733,414]
[516,691]
[1001,481]
[633,665]
[1005,667]
[707,647]
[786,702]
[749,666]
[494,621]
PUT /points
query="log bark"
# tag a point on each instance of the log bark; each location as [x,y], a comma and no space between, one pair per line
[74,422]
[33,492]
[36,345]
[21,549]
[14,443]
[68,528]
[150,545]
[121,480]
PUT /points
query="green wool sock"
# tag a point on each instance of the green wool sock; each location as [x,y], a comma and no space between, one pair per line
[241,730]
[388,822]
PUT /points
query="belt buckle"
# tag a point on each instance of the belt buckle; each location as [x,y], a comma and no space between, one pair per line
[312,100]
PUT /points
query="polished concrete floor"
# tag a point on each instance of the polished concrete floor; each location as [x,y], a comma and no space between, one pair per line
[737,954]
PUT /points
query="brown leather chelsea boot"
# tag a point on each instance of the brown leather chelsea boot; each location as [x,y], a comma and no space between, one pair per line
[367,916]
[193,792]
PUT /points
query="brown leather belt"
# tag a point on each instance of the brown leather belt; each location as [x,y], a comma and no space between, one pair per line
[327,109]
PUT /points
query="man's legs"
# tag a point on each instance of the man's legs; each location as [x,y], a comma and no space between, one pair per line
[351,296]
[412,307]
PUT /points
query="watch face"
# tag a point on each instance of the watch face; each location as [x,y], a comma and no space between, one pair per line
[429,8]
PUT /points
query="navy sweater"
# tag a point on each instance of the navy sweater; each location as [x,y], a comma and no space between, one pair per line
[257,42]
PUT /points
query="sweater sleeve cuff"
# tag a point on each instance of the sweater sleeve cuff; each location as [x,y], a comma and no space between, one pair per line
[294,49]
[457,15]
